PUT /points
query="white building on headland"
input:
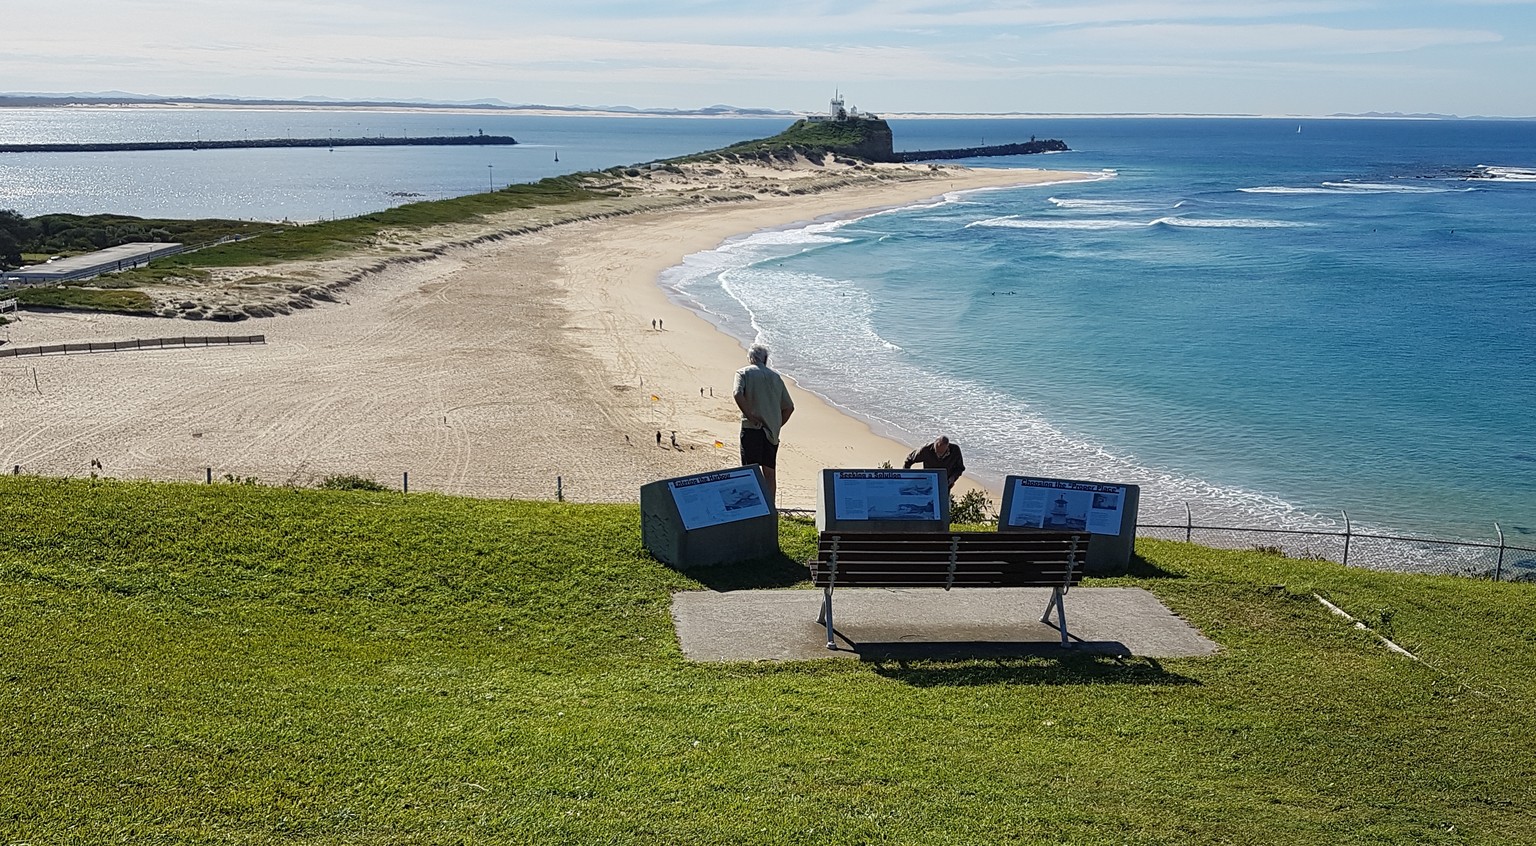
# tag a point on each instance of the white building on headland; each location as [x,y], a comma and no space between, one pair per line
[837,111]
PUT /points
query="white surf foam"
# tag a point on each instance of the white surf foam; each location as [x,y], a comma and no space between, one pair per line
[1337,188]
[1099,206]
[1036,223]
[1089,225]
[1228,223]
[1506,174]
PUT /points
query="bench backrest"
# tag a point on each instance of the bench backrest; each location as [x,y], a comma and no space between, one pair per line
[949,559]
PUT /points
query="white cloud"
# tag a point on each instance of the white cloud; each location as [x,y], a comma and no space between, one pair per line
[758,54]
[1286,38]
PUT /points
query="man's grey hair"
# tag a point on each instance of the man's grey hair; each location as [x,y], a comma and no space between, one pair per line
[757,354]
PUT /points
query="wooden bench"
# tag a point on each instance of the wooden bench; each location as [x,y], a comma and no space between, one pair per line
[950,560]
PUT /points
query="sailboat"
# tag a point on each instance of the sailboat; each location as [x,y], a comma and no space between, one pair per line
[1298,130]
[557,155]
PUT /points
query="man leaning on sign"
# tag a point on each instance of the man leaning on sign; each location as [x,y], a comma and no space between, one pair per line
[939,454]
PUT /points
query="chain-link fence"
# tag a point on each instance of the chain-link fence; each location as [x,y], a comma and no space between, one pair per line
[1498,560]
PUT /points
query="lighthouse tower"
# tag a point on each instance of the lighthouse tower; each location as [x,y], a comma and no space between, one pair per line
[837,111]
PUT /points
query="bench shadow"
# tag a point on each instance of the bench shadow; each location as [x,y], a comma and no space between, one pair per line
[778,571]
[1045,664]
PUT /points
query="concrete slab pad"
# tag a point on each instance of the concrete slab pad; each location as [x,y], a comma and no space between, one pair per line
[875,623]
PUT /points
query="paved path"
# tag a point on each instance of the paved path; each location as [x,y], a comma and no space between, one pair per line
[780,625]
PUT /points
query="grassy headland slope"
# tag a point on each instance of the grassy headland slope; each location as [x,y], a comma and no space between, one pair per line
[194,664]
[865,139]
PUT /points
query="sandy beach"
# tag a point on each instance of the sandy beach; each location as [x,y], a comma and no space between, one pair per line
[485,369]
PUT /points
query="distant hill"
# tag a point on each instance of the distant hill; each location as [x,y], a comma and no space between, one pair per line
[862,138]
[24,99]
[1423,116]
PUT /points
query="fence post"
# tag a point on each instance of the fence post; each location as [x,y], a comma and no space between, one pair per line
[405,482]
[207,475]
[1189,523]
[1498,571]
[559,489]
[1345,562]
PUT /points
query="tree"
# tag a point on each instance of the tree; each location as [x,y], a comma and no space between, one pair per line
[15,233]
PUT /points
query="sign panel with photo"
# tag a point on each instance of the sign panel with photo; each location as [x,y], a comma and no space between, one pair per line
[1066,506]
[886,495]
[716,498]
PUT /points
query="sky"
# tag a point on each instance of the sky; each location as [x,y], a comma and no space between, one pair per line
[1286,57]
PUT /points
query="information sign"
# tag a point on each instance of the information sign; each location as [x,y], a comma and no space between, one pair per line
[1065,506]
[886,495]
[715,498]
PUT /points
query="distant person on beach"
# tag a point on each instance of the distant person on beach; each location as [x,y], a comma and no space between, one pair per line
[765,408]
[940,453]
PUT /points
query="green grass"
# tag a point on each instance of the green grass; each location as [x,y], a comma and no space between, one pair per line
[87,299]
[237,664]
[67,234]
[829,136]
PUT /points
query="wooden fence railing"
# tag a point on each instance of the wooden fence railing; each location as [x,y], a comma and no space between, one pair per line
[136,344]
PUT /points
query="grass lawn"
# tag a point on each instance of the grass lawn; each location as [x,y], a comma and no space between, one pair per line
[237,664]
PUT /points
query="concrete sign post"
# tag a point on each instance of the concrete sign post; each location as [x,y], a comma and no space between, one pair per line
[708,519]
[1105,510]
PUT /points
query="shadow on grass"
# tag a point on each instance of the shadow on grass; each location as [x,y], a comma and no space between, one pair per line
[1141,568]
[1060,667]
[778,571]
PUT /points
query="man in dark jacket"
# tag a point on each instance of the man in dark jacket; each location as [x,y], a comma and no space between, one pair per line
[940,453]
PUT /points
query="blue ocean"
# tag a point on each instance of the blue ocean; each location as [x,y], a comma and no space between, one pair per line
[1270,322]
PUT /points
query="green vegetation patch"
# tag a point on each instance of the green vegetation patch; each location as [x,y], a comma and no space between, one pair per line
[264,243]
[245,664]
[806,137]
[350,483]
[325,238]
[63,233]
[87,299]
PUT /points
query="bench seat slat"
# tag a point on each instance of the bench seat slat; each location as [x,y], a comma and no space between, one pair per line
[949,560]
[953,559]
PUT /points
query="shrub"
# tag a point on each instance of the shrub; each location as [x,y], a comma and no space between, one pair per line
[973,507]
[350,483]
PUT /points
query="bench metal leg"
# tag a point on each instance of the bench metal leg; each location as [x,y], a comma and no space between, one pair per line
[1061,613]
[826,616]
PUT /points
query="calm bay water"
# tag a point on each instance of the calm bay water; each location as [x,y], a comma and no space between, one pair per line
[317,183]
[1272,325]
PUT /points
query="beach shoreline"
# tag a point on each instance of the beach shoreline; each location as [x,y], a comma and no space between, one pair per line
[488,370]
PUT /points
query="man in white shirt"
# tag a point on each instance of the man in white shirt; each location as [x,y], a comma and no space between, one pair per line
[765,408]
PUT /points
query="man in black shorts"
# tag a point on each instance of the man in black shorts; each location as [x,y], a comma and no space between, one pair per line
[765,408]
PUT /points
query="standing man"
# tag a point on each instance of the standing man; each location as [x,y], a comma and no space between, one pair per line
[940,453]
[765,408]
